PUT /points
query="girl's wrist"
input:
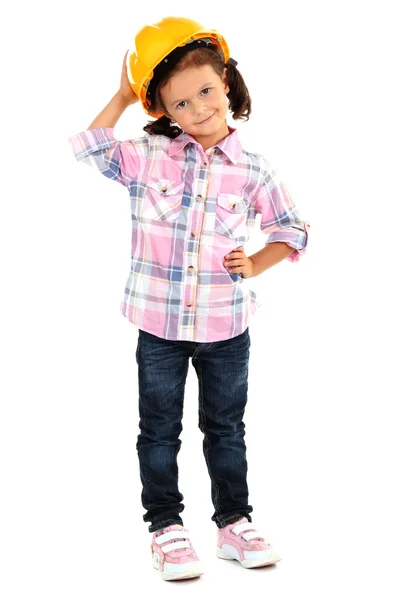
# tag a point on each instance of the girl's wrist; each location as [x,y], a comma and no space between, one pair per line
[126,99]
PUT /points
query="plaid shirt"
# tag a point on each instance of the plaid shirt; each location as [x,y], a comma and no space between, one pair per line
[190,208]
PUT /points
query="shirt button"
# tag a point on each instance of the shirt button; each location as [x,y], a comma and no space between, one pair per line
[199,197]
[191,269]
[193,234]
[204,165]
[189,304]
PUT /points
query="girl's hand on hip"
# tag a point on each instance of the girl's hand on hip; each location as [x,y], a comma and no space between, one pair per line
[237,262]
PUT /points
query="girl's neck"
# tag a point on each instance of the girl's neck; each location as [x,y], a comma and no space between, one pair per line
[207,141]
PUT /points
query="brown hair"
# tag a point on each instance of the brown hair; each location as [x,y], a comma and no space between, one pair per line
[238,95]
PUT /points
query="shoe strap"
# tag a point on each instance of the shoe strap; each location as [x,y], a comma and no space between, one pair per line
[172,535]
[252,533]
[242,527]
[175,546]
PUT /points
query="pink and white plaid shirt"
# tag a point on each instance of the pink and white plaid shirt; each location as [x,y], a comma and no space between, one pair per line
[190,208]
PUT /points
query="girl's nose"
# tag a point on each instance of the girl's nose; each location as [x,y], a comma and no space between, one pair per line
[200,108]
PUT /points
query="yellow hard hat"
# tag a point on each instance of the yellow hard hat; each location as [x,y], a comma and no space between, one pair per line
[153,44]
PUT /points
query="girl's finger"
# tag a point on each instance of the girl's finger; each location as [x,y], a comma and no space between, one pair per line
[236,254]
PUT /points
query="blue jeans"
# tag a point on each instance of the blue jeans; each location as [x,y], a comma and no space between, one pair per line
[222,372]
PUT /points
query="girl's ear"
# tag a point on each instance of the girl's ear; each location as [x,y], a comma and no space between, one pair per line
[225,81]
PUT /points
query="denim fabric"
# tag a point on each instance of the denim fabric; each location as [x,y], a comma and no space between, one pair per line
[222,371]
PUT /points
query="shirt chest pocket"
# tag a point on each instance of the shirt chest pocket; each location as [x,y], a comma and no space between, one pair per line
[231,216]
[163,200]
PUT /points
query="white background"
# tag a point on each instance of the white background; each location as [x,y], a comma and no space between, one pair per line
[322,417]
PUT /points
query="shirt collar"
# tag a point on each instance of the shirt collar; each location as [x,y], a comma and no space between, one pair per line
[230,145]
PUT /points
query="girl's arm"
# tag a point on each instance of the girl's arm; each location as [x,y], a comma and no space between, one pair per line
[111,113]
[125,96]
[98,147]
[269,256]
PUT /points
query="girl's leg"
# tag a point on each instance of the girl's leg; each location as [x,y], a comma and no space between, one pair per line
[162,371]
[222,370]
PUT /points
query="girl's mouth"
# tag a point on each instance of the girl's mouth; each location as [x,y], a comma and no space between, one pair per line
[206,120]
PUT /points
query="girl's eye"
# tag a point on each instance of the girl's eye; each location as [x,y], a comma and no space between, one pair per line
[207,90]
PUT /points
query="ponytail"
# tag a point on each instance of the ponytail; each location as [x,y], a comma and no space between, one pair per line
[163,126]
[238,95]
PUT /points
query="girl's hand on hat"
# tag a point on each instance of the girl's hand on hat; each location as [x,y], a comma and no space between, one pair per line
[125,89]
[237,262]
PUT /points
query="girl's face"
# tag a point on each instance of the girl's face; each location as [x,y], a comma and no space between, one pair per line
[196,99]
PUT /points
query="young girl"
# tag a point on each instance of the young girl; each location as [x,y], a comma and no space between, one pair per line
[195,193]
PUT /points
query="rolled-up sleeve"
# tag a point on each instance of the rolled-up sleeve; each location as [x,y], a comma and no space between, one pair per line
[119,160]
[280,219]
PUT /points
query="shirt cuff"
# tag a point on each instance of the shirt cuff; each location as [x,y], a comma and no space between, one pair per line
[91,140]
[293,237]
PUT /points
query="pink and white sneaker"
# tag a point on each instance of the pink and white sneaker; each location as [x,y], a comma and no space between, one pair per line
[173,554]
[240,541]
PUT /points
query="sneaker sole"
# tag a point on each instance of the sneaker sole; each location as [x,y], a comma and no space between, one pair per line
[191,573]
[179,576]
[250,564]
